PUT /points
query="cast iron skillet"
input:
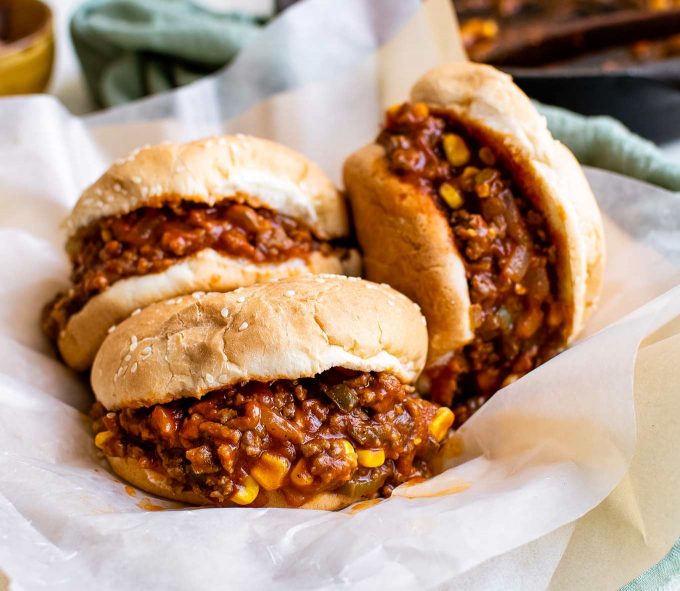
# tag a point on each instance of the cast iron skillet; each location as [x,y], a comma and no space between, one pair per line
[584,66]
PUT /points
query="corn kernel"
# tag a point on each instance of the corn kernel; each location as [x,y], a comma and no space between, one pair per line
[483,182]
[393,110]
[270,470]
[101,438]
[487,156]
[489,29]
[420,110]
[457,152]
[469,172]
[509,379]
[349,450]
[451,195]
[485,176]
[467,178]
[483,190]
[371,458]
[441,423]
[247,492]
[300,476]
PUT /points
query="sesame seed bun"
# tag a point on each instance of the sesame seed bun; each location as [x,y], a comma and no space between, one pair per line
[286,329]
[239,167]
[158,484]
[407,240]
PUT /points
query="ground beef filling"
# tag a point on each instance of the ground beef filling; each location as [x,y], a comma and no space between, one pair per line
[360,434]
[151,239]
[506,248]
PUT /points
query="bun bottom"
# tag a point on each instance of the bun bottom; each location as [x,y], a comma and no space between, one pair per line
[157,484]
[206,271]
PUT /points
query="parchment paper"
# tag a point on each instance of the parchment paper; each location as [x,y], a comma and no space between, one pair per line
[543,453]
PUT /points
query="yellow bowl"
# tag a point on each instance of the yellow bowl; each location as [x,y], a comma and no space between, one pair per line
[26,46]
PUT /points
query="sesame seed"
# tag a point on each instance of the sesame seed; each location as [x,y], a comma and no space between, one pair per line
[98,192]
[137,180]
[224,312]
[241,299]
[243,327]
[384,285]
[198,295]
[127,358]
[117,187]
[137,311]
[371,286]
[146,351]
[133,369]
[111,329]
[391,303]
[209,378]
[223,378]
[320,280]
[290,293]
[133,343]
[145,191]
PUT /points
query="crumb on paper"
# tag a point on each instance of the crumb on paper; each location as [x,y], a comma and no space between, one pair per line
[406,490]
[364,505]
[147,505]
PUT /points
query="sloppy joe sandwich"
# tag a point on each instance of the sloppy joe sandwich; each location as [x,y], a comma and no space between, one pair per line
[467,204]
[210,215]
[296,392]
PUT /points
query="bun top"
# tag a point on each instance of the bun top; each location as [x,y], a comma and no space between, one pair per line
[256,171]
[286,329]
[481,94]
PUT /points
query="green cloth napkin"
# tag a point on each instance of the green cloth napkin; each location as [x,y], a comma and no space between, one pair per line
[132,48]
[606,143]
[663,576]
